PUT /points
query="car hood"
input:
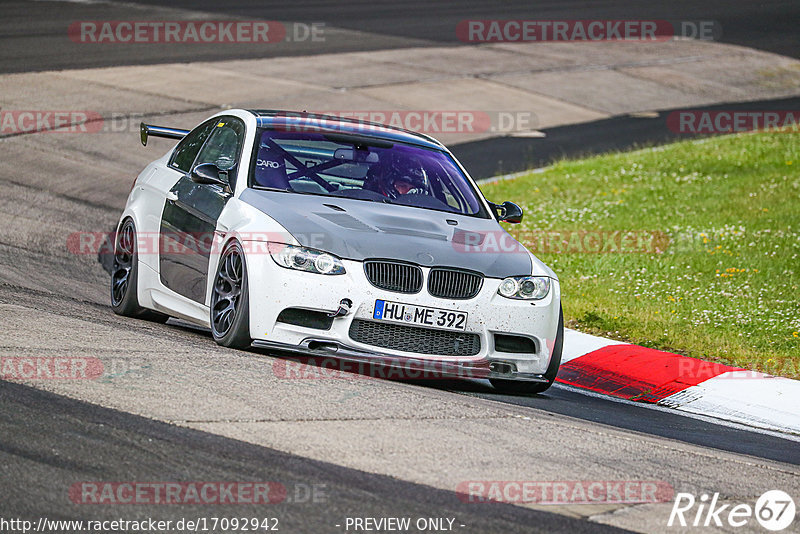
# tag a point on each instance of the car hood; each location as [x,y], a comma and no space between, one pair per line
[358,230]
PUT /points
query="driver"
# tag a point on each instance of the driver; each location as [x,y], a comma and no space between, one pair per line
[400,177]
[409,183]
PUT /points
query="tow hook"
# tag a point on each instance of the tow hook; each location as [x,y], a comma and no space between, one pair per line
[344,308]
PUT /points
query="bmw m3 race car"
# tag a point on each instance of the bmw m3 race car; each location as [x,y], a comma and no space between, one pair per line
[333,237]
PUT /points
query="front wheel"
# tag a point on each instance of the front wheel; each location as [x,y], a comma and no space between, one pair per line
[521,386]
[230,304]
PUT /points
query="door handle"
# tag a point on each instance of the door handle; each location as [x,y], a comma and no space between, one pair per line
[172,197]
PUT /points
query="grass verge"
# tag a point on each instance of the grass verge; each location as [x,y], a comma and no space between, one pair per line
[699,246]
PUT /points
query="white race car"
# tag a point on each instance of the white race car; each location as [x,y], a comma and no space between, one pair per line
[327,236]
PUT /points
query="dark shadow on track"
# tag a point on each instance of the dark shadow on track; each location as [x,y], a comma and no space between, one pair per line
[49,443]
[490,157]
[767,25]
[34,35]
[643,418]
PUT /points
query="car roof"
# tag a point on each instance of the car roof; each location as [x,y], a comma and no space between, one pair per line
[330,123]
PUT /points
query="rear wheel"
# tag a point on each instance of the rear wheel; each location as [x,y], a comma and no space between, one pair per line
[230,304]
[125,275]
[521,386]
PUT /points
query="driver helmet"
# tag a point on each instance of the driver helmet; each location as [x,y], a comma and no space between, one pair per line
[405,176]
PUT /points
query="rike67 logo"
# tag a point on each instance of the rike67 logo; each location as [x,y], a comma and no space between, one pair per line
[774,510]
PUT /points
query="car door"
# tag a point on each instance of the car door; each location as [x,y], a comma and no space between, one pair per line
[191,209]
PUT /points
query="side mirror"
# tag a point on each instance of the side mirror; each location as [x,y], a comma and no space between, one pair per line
[144,133]
[507,212]
[208,174]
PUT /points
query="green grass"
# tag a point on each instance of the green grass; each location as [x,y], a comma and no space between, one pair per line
[725,286]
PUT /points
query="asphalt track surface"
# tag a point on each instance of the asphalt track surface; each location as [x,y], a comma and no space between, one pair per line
[48,441]
[31,33]
[502,155]
[32,39]
[658,422]
[573,402]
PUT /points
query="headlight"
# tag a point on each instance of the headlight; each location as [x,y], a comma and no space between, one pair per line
[305,259]
[525,287]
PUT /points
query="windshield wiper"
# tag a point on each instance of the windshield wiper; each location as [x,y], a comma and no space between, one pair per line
[265,188]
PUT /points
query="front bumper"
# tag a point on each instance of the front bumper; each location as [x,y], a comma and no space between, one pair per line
[410,367]
[274,288]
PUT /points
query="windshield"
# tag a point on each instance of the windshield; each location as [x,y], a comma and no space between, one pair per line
[363,168]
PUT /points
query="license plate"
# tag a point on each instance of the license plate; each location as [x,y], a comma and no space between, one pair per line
[397,312]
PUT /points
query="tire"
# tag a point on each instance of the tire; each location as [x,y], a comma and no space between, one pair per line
[125,276]
[230,302]
[524,387]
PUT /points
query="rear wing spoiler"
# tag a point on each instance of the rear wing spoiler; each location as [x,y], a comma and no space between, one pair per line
[146,130]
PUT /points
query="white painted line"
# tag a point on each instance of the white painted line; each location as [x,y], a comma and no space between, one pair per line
[690,415]
[577,344]
[528,133]
[510,176]
[754,399]
[537,170]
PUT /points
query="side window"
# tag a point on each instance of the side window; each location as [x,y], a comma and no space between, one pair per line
[223,146]
[186,151]
[447,196]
